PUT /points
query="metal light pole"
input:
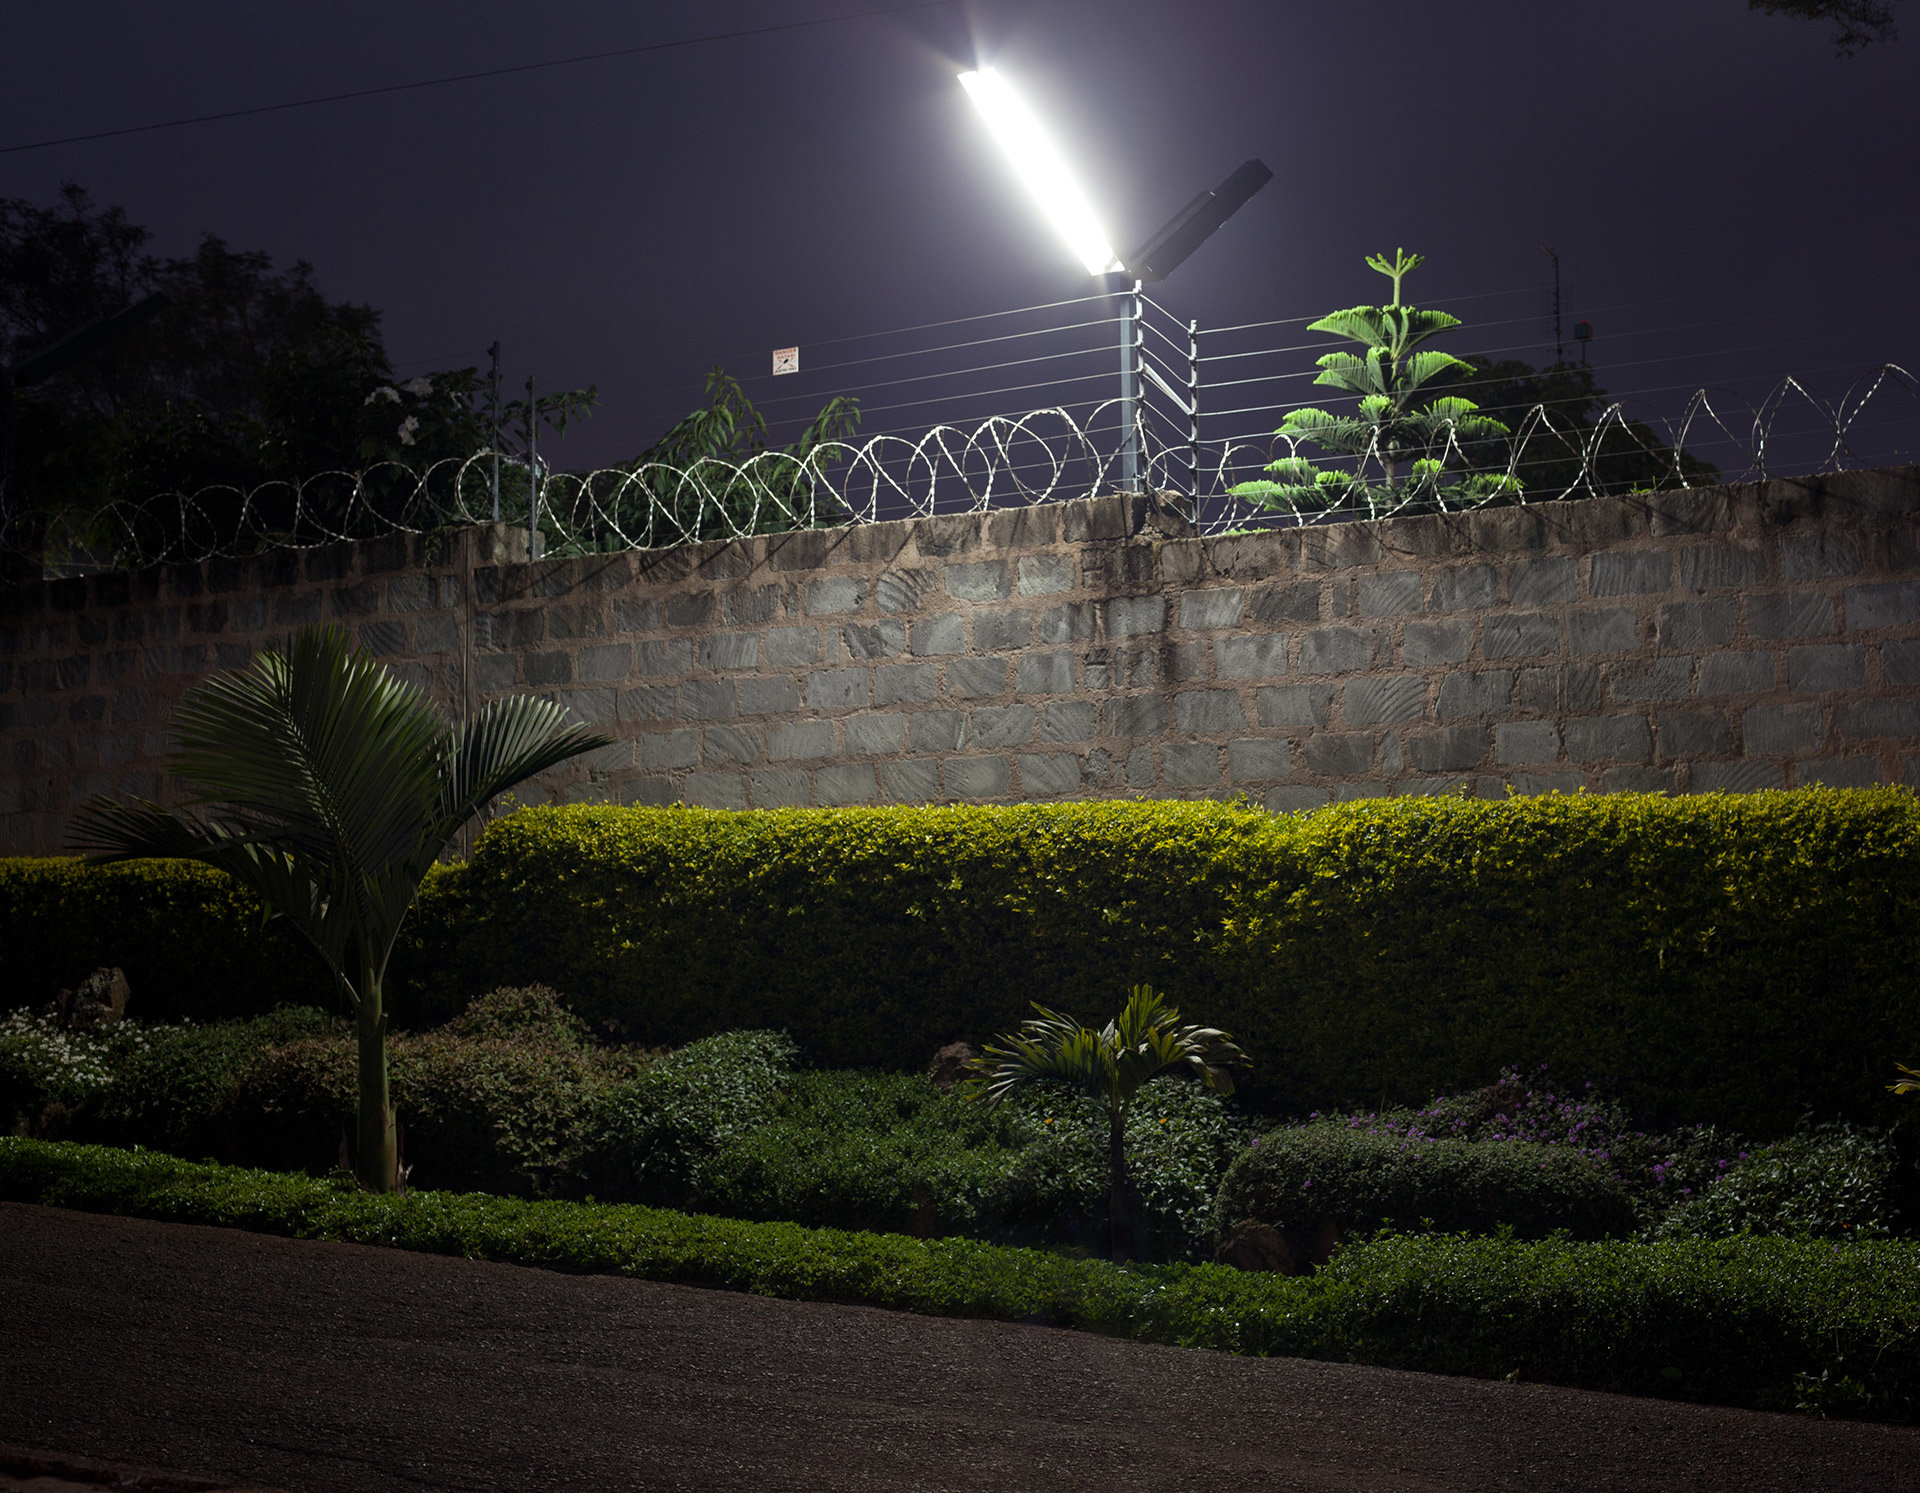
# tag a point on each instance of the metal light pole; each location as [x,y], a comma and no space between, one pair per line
[1131,335]
[533,474]
[493,423]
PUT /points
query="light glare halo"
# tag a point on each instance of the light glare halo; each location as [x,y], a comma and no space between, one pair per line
[1041,168]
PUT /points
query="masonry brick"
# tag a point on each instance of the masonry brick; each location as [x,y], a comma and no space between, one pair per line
[1463,588]
[1209,710]
[1789,614]
[1393,697]
[1394,593]
[803,739]
[839,783]
[979,777]
[1693,733]
[1045,575]
[1782,730]
[1068,622]
[904,684]
[1734,777]
[886,638]
[836,595]
[1045,674]
[749,606]
[1712,567]
[733,744]
[1818,557]
[1130,616]
[1134,716]
[1900,660]
[708,699]
[1736,673]
[666,751]
[1893,604]
[903,590]
[1860,719]
[1067,720]
[1337,650]
[1259,758]
[1684,626]
[1630,572]
[1519,635]
[1338,755]
[1190,764]
[781,788]
[838,689]
[1839,772]
[1296,706]
[1427,643]
[1542,581]
[874,735]
[1614,630]
[1044,775]
[795,647]
[982,580]
[937,730]
[767,696]
[1469,695]
[1525,742]
[715,790]
[1211,609]
[970,678]
[938,636]
[912,780]
[1003,725]
[1001,630]
[1815,669]
[1251,656]
[1274,606]
[1661,682]
[1608,738]
[1449,749]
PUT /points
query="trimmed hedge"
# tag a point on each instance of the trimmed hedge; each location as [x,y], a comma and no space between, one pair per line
[1362,1180]
[1738,960]
[1768,1323]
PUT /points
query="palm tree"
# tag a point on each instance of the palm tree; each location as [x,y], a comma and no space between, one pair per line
[1112,1065]
[328,787]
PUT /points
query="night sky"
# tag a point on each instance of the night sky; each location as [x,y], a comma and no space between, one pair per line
[1730,202]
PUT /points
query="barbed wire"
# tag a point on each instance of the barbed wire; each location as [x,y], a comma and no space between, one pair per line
[1003,461]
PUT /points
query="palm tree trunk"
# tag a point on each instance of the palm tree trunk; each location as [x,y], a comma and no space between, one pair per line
[1117,1186]
[379,1160]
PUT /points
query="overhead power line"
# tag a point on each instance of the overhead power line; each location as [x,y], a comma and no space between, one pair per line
[492,72]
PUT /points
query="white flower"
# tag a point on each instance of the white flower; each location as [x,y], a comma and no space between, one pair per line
[419,387]
[407,427]
[386,392]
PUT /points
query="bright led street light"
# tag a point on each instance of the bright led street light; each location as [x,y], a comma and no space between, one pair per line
[1041,167]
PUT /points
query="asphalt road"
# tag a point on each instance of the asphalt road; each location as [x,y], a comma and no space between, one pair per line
[225,1355]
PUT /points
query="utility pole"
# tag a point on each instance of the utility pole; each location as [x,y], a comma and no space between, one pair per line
[493,423]
[1559,345]
[533,474]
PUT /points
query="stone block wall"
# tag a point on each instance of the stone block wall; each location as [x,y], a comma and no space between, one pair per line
[1738,638]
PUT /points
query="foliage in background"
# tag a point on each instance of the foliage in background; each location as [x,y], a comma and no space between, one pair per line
[1856,23]
[1562,433]
[1767,1323]
[1406,440]
[329,786]
[714,475]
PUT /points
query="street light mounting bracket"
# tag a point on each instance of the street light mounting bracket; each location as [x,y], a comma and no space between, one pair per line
[1195,223]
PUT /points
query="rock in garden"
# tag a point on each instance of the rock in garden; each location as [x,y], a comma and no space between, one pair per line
[98,1000]
[949,1064]
[1256,1246]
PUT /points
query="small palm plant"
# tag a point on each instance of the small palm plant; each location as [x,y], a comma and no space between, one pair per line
[327,786]
[1112,1065]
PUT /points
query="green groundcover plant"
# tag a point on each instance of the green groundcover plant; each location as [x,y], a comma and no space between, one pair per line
[1770,1323]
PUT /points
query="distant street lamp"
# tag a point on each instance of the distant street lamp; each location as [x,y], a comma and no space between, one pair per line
[1037,161]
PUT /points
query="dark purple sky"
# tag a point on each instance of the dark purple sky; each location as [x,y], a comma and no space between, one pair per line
[1730,202]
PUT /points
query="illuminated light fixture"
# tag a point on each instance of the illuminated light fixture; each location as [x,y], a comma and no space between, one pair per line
[1041,168]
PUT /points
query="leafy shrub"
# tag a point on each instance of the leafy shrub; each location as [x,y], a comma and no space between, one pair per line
[1362,1180]
[645,1138]
[1831,1180]
[192,942]
[171,1094]
[49,1075]
[1775,1324]
[889,1151]
[1726,959]
[1735,960]
[494,1101]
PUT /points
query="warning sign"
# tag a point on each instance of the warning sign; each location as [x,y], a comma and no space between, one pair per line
[786,360]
